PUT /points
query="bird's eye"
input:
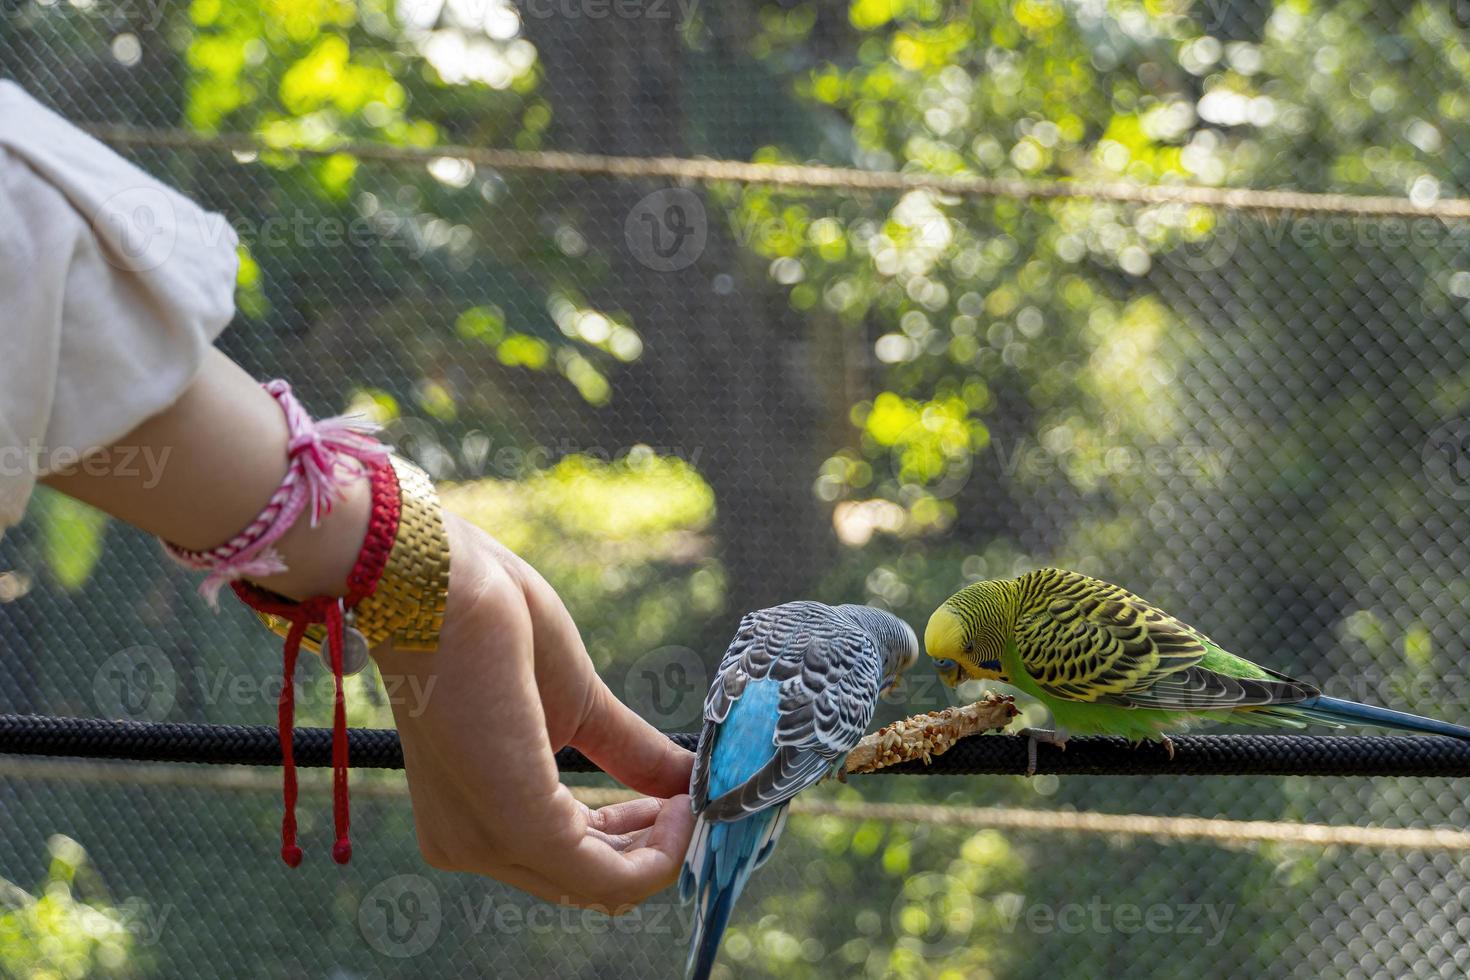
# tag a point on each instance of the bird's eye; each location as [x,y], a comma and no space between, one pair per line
[969,646]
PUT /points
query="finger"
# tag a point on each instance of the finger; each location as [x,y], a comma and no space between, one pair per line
[630,749]
[621,878]
[622,842]
[624,826]
[616,879]
[596,872]
[488,858]
[624,818]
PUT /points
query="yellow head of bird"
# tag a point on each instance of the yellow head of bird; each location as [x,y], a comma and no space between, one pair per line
[966,635]
[943,639]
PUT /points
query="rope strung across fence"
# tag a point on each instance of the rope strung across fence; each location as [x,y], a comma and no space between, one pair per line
[1165,829]
[806,176]
[1194,755]
[1162,828]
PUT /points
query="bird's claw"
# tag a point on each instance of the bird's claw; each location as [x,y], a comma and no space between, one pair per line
[1168,746]
[1164,740]
[1037,736]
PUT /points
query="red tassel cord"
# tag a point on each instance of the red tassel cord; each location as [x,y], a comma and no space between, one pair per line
[329,610]
[342,847]
[285,726]
[322,609]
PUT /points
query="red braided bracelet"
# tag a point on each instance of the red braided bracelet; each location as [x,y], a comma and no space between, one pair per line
[331,611]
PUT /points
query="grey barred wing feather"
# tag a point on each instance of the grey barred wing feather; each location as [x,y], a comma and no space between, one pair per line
[758,641]
[1082,639]
[830,674]
[748,654]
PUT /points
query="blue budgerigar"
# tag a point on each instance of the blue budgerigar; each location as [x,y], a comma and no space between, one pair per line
[794,694]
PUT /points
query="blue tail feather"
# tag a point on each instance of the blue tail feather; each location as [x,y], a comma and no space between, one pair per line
[721,859]
[709,929]
[1338,712]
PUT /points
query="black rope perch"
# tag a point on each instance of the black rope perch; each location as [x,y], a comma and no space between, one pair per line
[371,748]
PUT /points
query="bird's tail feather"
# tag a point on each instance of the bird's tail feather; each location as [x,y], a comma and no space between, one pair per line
[720,859]
[1334,711]
[709,928]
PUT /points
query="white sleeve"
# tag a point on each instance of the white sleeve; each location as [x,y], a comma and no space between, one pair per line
[112,288]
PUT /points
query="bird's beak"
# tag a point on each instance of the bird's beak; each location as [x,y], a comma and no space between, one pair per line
[949,672]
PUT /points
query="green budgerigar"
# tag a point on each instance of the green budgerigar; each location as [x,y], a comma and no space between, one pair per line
[1105,661]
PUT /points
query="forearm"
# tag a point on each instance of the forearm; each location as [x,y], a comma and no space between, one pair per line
[220,452]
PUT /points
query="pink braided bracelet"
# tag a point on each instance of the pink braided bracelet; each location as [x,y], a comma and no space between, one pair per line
[323,458]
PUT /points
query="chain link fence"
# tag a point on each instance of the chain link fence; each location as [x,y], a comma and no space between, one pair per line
[684,393]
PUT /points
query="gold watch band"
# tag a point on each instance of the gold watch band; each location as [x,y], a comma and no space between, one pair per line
[407,608]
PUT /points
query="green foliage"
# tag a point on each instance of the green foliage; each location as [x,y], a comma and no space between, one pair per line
[948,916]
[71,537]
[625,541]
[637,501]
[67,931]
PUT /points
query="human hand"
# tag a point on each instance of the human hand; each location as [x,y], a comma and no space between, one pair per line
[480,719]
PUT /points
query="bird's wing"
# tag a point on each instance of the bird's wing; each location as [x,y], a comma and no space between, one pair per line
[827,675]
[1082,639]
